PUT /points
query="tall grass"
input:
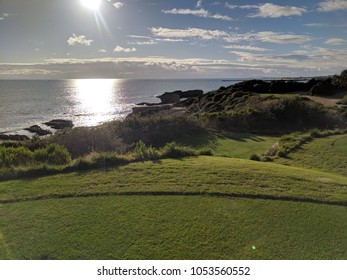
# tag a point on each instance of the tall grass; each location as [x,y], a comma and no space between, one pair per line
[293,141]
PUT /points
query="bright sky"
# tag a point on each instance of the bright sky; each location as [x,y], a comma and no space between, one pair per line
[53,39]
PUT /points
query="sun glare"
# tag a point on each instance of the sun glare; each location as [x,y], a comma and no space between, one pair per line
[91,4]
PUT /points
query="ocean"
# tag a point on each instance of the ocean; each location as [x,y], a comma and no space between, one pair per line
[87,102]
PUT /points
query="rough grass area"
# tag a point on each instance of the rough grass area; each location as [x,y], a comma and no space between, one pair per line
[192,176]
[164,227]
[241,145]
[328,154]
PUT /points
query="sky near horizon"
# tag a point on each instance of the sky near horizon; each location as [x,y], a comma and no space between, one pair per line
[67,39]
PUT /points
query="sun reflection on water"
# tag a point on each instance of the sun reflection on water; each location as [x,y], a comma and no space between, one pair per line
[95,98]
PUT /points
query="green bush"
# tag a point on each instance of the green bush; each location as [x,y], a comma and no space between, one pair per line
[143,152]
[53,154]
[173,150]
[15,156]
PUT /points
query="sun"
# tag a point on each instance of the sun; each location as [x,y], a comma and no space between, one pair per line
[91,4]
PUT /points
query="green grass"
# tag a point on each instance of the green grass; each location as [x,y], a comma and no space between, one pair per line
[164,227]
[241,145]
[208,175]
[328,154]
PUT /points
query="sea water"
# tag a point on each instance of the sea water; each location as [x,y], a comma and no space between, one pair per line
[87,102]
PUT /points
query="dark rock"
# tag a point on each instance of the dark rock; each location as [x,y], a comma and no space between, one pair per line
[191,93]
[147,104]
[170,97]
[176,96]
[258,86]
[38,130]
[59,124]
[146,110]
[13,137]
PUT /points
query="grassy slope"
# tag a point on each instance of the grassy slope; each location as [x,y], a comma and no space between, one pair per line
[164,227]
[241,145]
[189,176]
[99,226]
[328,154]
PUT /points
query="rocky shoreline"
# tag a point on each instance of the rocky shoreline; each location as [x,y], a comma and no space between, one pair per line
[55,125]
[176,100]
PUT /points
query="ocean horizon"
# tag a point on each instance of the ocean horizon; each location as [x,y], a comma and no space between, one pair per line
[86,102]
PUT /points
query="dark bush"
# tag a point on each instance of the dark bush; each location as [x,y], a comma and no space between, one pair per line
[255,157]
[53,154]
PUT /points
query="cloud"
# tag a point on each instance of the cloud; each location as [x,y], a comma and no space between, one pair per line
[202,34]
[230,6]
[143,43]
[336,41]
[4,15]
[126,50]
[315,24]
[314,62]
[102,51]
[205,34]
[118,5]
[281,38]
[249,48]
[332,5]
[79,40]
[200,13]
[199,4]
[269,10]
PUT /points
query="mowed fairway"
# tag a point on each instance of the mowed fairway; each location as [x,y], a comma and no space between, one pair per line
[164,227]
[241,145]
[195,208]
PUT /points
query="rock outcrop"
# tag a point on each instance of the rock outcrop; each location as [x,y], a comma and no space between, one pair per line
[38,130]
[59,124]
[176,96]
[13,137]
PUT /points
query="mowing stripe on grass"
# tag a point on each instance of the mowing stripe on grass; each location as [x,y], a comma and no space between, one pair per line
[163,193]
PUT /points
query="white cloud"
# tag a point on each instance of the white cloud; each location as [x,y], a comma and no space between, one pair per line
[230,6]
[118,5]
[202,34]
[121,49]
[269,10]
[102,51]
[315,24]
[200,13]
[248,48]
[332,5]
[143,43]
[336,41]
[4,15]
[205,34]
[79,40]
[315,61]
[281,38]
[199,4]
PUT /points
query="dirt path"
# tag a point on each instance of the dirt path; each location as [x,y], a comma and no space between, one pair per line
[329,101]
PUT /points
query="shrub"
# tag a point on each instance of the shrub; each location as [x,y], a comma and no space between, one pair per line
[173,150]
[53,154]
[255,157]
[282,153]
[142,152]
[15,156]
